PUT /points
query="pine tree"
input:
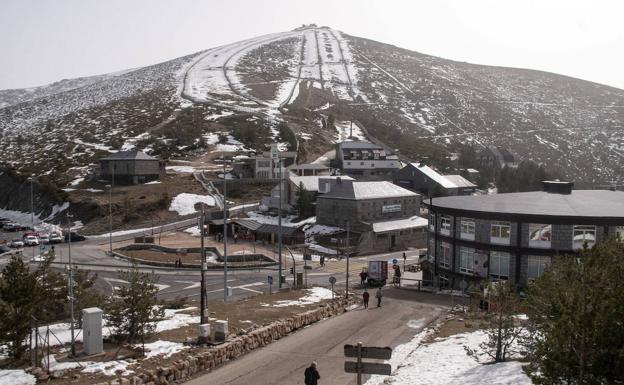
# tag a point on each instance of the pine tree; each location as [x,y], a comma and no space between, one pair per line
[19,295]
[304,202]
[133,308]
[575,313]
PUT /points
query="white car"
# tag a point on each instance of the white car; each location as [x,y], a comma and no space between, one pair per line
[56,238]
[44,238]
[31,240]
[16,243]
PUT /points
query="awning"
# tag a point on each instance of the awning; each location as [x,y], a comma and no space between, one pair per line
[248,224]
[399,224]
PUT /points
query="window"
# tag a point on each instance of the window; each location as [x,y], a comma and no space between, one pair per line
[445,224]
[466,260]
[500,233]
[619,232]
[499,265]
[537,265]
[583,234]
[540,235]
[444,258]
[444,281]
[467,229]
[431,222]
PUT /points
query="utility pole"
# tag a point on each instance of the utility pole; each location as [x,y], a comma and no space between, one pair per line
[279,223]
[347,248]
[204,301]
[225,272]
[32,210]
[71,287]
[110,218]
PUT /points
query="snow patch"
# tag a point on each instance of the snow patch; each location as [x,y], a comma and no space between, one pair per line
[184,203]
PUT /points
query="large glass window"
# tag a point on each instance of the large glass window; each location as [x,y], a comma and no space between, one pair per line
[500,233]
[537,265]
[467,229]
[583,234]
[444,258]
[445,224]
[499,265]
[466,260]
[540,235]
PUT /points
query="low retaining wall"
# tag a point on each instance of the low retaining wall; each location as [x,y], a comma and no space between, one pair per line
[199,363]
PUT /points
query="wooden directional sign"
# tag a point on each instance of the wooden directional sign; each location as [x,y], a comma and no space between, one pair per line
[368,352]
[368,368]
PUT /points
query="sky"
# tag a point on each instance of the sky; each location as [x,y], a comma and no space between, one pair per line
[42,41]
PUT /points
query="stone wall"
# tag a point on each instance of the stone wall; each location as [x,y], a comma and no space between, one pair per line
[197,363]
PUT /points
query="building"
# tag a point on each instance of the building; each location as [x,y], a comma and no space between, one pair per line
[383,214]
[497,157]
[514,236]
[266,165]
[309,169]
[427,181]
[366,161]
[130,167]
[314,185]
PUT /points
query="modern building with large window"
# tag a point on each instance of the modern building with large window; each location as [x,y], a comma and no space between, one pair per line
[514,236]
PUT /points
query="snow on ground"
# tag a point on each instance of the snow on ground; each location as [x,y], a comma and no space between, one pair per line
[26,218]
[173,319]
[184,203]
[218,115]
[163,348]
[181,169]
[344,130]
[315,294]
[445,362]
[108,368]
[16,377]
[320,229]
[322,249]
[130,143]
[154,182]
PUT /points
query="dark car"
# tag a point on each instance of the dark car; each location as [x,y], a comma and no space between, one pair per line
[4,249]
[75,237]
[11,227]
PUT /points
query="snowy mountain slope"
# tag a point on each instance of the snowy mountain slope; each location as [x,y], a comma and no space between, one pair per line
[300,77]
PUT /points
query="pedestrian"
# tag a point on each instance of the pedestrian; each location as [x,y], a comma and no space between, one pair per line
[322,260]
[180,262]
[397,275]
[378,295]
[365,297]
[235,238]
[312,375]
[363,277]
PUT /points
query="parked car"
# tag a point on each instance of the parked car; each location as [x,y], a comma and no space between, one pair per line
[44,238]
[56,238]
[31,240]
[4,249]
[75,237]
[11,227]
[16,243]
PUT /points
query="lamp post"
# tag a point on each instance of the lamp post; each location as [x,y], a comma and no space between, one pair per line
[279,224]
[347,249]
[110,218]
[225,272]
[204,301]
[71,286]
[32,210]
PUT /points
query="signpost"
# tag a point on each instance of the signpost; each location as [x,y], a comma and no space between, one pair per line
[395,261]
[377,353]
[332,280]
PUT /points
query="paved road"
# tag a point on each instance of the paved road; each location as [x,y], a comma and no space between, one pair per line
[402,315]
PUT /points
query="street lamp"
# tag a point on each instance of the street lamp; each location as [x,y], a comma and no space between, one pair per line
[225,271]
[32,210]
[71,286]
[110,218]
[347,249]
[279,224]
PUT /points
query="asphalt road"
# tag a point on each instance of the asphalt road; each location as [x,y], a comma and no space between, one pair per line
[403,314]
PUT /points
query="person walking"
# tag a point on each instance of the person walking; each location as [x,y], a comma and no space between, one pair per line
[365,297]
[322,260]
[378,295]
[312,375]
[363,276]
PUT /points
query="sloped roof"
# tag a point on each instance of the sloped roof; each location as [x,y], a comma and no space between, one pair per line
[129,155]
[308,166]
[367,190]
[434,175]
[311,183]
[459,181]
[357,145]
[399,224]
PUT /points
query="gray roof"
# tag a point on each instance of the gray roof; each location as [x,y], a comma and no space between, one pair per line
[360,145]
[308,166]
[311,183]
[459,181]
[580,203]
[399,224]
[129,155]
[367,190]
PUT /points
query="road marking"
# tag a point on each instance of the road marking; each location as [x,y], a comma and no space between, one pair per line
[115,280]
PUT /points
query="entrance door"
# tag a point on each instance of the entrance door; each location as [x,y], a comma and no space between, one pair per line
[392,240]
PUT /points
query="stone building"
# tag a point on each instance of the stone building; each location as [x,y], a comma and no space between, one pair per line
[366,161]
[130,167]
[383,214]
[266,165]
[514,236]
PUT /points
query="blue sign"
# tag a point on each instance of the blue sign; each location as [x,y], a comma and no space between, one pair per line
[395,261]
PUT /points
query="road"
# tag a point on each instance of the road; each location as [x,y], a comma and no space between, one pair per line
[402,315]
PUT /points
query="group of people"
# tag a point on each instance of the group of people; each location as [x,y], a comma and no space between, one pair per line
[178,263]
[366,297]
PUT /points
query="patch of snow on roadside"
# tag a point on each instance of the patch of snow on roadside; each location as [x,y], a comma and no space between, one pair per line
[163,348]
[287,221]
[184,203]
[315,294]
[181,169]
[173,319]
[16,377]
[108,368]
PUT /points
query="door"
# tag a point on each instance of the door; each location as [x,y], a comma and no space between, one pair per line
[392,240]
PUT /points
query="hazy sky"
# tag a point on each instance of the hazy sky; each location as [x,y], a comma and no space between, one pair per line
[42,41]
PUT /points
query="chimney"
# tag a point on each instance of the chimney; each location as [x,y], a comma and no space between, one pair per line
[557,187]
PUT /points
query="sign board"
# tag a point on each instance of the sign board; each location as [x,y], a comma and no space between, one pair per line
[368,368]
[395,261]
[270,280]
[368,352]
[332,280]
[390,208]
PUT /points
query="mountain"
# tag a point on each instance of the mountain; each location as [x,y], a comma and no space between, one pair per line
[273,86]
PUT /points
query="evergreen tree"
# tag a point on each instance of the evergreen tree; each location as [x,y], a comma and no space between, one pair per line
[133,308]
[331,122]
[304,202]
[575,311]
[19,296]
